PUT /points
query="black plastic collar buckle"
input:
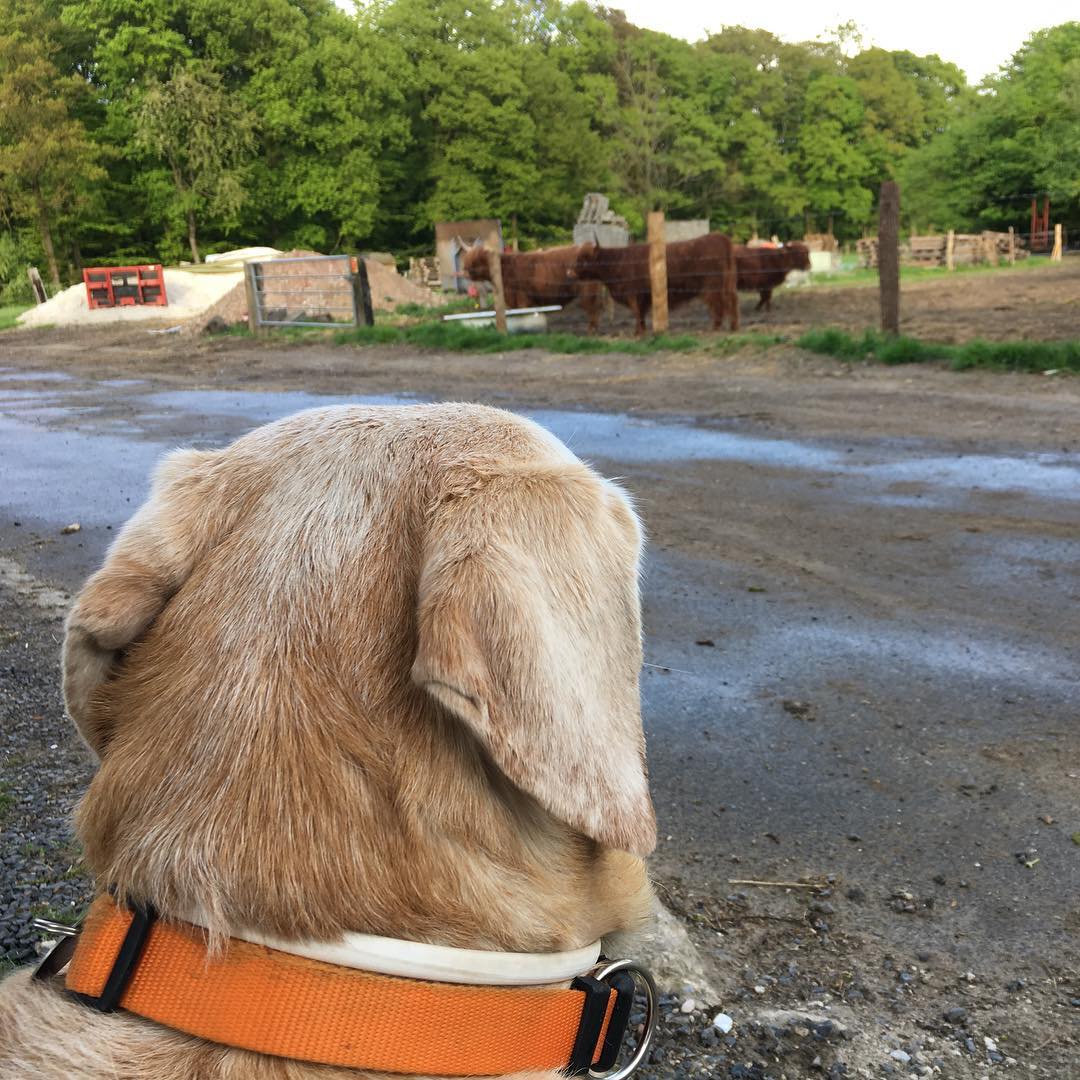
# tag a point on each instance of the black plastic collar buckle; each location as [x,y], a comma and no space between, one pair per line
[597,998]
[127,958]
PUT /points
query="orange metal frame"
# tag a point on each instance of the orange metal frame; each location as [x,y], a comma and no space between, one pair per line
[125,286]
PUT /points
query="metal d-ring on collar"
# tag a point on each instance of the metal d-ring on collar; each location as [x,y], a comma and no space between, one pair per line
[604,972]
[54,929]
[60,953]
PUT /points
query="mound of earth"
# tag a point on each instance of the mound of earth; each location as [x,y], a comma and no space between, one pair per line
[190,292]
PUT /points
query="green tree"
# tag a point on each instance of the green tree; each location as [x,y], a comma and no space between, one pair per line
[326,90]
[473,140]
[205,137]
[760,190]
[47,159]
[1018,138]
[667,141]
[835,169]
[320,129]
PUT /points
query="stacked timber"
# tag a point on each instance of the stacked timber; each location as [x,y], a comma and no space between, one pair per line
[424,271]
[925,251]
[968,249]
[820,242]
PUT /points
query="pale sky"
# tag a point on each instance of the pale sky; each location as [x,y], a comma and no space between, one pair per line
[978,38]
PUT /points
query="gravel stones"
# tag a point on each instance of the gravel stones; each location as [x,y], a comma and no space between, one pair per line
[43,769]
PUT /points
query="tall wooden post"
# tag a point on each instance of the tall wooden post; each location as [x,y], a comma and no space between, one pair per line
[362,309]
[251,288]
[498,296]
[1012,246]
[950,250]
[1055,255]
[889,256]
[658,271]
[38,286]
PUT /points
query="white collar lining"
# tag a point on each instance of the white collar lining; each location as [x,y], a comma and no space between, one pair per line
[437,963]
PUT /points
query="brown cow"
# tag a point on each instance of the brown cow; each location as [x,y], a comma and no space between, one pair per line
[704,266]
[535,278]
[762,269]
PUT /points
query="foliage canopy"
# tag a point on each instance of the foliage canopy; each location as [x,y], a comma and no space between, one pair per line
[163,129]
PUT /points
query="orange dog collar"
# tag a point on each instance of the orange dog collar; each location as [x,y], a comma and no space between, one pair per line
[260,999]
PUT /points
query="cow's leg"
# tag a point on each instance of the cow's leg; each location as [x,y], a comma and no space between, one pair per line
[717,303]
[590,303]
[639,308]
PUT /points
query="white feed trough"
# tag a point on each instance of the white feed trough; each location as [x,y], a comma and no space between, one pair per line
[526,320]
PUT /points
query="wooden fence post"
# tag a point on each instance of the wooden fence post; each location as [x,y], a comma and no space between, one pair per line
[1055,255]
[38,286]
[1012,246]
[251,288]
[658,271]
[989,246]
[889,256]
[498,296]
[950,250]
[365,314]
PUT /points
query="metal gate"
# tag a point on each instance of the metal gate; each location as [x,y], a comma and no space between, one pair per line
[308,290]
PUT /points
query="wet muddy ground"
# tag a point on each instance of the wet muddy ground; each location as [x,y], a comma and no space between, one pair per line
[861,640]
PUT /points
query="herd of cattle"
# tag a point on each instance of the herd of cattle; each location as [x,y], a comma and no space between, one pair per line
[710,267]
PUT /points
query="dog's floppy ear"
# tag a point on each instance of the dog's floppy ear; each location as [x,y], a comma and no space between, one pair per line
[530,632]
[150,559]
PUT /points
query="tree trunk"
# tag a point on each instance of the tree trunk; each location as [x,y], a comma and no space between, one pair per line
[47,244]
[76,255]
[181,187]
[192,238]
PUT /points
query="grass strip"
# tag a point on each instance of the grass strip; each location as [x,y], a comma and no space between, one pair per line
[990,355]
[454,338]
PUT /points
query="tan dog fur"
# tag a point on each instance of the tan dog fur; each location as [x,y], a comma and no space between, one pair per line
[366,669]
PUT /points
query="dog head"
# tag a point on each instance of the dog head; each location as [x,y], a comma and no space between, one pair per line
[324,663]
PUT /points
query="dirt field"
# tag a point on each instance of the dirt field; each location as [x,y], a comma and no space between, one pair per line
[861,645]
[1041,303]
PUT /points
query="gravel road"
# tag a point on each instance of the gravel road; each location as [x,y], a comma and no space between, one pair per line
[861,642]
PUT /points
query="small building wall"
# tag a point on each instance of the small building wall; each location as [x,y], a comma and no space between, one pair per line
[604,235]
[685,230]
[450,236]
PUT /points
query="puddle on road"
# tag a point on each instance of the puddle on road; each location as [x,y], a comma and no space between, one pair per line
[262,407]
[61,476]
[85,452]
[635,440]
[35,376]
[211,417]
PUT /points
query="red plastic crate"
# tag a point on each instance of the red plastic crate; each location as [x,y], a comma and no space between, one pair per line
[125,286]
